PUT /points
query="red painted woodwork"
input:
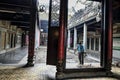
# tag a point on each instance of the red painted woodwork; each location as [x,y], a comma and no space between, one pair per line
[61,33]
[110,32]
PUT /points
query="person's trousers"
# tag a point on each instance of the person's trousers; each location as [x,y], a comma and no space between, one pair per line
[81,57]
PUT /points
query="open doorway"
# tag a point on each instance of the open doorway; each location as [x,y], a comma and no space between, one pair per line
[84,35]
[116,33]
[43,14]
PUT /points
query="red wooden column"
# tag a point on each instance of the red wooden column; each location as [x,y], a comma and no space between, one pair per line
[110,30]
[31,46]
[108,25]
[61,41]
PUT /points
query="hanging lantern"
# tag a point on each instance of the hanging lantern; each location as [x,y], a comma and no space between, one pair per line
[42,8]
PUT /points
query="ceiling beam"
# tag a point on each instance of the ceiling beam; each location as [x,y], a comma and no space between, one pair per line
[14,11]
[14,16]
[13,7]
[20,23]
[16,2]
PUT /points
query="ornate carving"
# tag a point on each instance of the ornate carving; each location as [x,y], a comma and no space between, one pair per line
[90,11]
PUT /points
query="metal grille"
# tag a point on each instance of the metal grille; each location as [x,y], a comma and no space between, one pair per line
[55,9]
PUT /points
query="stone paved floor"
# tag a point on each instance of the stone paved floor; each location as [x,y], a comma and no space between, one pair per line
[40,71]
[14,56]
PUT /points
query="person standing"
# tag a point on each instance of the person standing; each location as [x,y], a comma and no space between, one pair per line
[80,50]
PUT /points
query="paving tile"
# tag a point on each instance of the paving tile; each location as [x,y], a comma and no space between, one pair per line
[40,71]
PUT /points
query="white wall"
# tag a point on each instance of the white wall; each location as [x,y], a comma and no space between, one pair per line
[37,37]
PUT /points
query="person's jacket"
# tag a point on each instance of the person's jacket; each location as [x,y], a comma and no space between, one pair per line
[80,48]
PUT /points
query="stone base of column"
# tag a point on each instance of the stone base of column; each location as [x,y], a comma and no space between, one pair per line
[118,64]
[59,73]
[30,62]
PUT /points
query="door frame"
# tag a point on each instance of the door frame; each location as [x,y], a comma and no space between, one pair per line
[106,46]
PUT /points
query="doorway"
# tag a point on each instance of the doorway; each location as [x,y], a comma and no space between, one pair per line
[84,23]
